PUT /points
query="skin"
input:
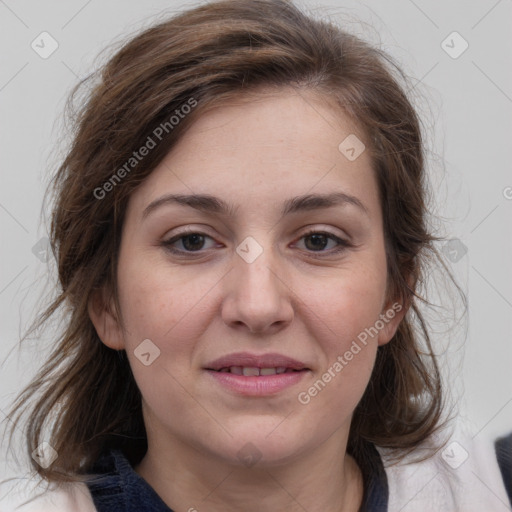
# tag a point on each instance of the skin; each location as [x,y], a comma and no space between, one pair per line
[304,303]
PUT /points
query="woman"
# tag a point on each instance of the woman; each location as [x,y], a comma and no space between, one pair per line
[241,229]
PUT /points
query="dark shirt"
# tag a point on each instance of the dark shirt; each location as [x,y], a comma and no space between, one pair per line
[116,487]
[503,448]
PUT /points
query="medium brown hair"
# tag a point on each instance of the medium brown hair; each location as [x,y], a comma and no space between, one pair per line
[87,398]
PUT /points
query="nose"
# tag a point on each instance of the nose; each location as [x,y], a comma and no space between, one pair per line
[257,296]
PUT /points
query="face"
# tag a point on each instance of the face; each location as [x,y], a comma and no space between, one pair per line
[271,265]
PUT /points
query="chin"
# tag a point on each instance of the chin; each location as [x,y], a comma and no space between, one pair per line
[271,444]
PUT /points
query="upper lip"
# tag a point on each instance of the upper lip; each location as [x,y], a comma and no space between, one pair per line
[246,359]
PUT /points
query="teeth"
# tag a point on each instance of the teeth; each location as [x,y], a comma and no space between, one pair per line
[251,372]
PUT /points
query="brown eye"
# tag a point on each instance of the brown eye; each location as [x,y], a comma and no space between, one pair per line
[186,242]
[192,242]
[318,241]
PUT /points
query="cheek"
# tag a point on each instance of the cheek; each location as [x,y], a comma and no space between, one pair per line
[169,308]
[345,324]
[331,399]
[157,308]
[351,301]
[348,311]
[158,302]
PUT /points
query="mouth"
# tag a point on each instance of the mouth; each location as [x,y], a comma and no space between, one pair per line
[254,371]
[256,375]
[251,365]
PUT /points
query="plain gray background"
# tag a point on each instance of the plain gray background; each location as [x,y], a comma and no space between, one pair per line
[467,107]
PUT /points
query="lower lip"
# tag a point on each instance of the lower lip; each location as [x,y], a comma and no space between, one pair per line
[257,386]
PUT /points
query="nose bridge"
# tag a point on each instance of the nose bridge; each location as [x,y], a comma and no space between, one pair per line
[255,266]
[256,294]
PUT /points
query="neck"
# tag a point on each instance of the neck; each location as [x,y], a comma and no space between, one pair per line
[326,480]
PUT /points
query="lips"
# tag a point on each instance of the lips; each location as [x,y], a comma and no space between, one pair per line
[250,365]
[254,371]
[266,375]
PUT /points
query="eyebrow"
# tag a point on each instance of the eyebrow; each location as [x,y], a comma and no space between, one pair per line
[210,204]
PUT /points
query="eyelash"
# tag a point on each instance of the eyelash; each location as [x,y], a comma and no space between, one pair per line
[342,244]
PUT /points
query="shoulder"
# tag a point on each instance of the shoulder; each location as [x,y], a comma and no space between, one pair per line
[24,496]
[459,472]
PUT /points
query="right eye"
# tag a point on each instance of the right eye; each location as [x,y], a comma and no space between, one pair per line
[190,242]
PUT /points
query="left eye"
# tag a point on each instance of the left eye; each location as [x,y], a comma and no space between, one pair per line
[320,240]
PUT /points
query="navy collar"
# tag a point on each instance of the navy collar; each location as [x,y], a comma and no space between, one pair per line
[116,487]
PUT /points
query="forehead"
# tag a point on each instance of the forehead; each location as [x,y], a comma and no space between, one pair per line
[282,121]
[266,147]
